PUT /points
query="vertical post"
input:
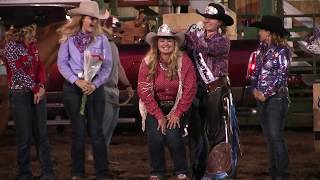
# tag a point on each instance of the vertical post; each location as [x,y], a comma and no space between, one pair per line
[272,7]
[232,5]
[114,7]
[165,6]
[101,4]
[267,7]
[279,8]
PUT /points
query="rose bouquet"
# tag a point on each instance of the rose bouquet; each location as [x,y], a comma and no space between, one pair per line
[93,59]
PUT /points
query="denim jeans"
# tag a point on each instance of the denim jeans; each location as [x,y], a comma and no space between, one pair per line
[272,118]
[156,144]
[93,119]
[110,119]
[30,120]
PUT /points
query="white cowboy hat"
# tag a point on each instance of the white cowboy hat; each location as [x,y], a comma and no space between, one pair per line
[164,31]
[88,8]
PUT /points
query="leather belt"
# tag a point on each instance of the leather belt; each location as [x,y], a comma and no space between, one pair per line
[213,86]
[20,91]
[283,91]
[166,103]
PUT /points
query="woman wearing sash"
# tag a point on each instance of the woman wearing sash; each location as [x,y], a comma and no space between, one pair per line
[166,87]
[208,47]
[271,92]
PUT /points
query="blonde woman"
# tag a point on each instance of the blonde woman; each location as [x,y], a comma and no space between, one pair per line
[271,90]
[166,87]
[26,80]
[81,32]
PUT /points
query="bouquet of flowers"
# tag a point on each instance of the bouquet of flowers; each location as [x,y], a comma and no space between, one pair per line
[93,59]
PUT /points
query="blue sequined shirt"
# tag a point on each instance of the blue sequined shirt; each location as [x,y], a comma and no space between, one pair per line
[271,71]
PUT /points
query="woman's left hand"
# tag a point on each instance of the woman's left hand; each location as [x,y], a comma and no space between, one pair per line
[39,95]
[89,89]
[258,95]
[130,91]
[173,122]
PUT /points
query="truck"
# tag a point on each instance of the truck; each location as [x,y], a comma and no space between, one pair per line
[53,13]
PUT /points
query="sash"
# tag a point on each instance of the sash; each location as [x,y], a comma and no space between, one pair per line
[204,70]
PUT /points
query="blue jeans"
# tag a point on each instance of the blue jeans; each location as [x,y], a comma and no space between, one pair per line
[156,144]
[272,118]
[93,121]
[30,120]
[110,119]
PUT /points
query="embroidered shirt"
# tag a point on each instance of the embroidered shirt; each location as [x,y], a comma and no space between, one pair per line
[271,71]
[24,68]
[215,50]
[163,89]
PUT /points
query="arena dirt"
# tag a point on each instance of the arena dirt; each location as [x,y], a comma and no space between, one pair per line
[130,151]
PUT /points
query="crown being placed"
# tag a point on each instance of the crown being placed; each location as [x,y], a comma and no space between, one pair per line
[211,10]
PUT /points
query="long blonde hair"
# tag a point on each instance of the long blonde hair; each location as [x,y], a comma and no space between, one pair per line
[153,57]
[278,40]
[73,26]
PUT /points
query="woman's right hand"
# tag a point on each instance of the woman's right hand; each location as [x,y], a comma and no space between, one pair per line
[258,95]
[162,123]
[82,84]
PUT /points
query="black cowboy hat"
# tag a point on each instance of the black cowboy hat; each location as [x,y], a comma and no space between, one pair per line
[273,24]
[216,11]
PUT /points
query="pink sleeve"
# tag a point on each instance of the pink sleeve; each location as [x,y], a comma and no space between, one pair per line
[145,92]
[189,86]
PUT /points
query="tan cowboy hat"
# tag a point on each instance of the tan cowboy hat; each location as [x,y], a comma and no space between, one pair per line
[164,31]
[88,8]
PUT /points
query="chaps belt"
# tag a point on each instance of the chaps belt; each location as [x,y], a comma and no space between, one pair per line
[213,86]
[283,91]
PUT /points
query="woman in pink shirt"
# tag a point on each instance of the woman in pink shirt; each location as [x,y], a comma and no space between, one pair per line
[166,87]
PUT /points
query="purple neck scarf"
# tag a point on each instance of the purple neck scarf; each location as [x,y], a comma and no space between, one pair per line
[82,40]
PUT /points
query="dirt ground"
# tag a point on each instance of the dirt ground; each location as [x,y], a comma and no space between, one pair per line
[130,150]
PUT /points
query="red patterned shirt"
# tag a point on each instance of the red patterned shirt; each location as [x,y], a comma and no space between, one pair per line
[24,68]
[165,89]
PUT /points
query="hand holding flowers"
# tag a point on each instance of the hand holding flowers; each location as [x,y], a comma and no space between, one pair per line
[92,63]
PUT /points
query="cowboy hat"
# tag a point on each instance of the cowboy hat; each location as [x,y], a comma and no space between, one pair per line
[216,11]
[88,8]
[164,31]
[273,24]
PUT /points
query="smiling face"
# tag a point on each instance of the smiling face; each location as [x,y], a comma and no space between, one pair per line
[264,35]
[89,24]
[211,25]
[166,45]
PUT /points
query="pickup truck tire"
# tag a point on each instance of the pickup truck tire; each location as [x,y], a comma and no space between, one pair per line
[4,104]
